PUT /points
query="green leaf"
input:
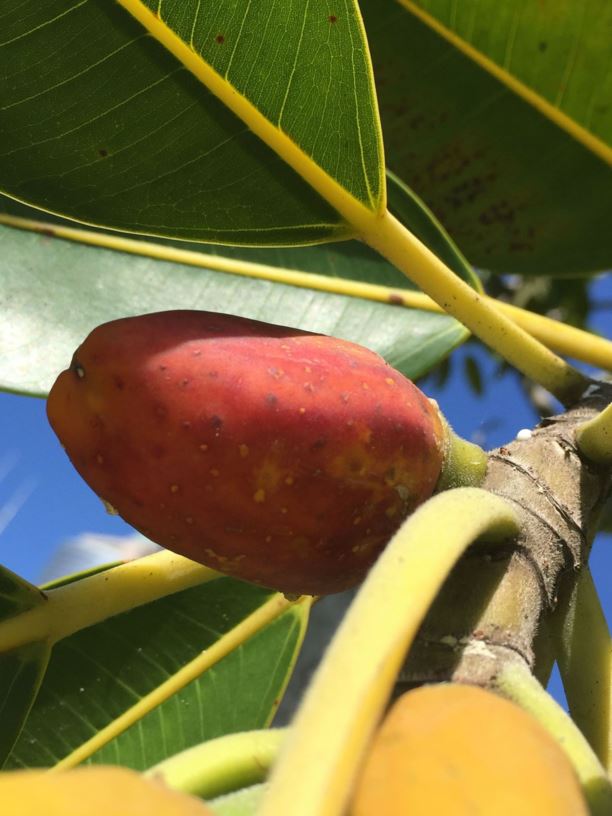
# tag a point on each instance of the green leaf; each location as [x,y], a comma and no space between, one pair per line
[102,122]
[516,192]
[21,669]
[56,292]
[17,595]
[97,674]
[21,673]
[561,51]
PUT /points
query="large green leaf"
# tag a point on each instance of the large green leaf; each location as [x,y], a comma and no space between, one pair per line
[517,193]
[44,279]
[21,673]
[559,49]
[100,121]
[22,668]
[100,672]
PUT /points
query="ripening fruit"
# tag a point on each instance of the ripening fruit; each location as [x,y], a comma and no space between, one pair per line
[274,455]
[98,790]
[461,751]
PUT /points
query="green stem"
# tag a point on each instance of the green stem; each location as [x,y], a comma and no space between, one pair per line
[91,600]
[344,702]
[465,464]
[594,438]
[221,765]
[584,655]
[404,250]
[518,684]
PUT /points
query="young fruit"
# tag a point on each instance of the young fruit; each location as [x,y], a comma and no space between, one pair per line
[271,454]
[463,751]
[97,790]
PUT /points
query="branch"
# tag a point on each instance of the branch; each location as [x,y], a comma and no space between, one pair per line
[345,700]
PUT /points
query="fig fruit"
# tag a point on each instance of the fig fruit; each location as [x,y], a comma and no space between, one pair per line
[98,790]
[463,751]
[274,455]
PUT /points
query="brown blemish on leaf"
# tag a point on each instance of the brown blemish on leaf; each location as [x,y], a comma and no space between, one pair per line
[395,300]
[103,152]
[220,39]
[332,18]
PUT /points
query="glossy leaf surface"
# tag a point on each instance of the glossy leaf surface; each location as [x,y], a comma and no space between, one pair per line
[98,673]
[101,122]
[56,292]
[516,192]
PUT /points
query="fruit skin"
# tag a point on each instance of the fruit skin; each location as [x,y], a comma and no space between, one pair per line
[99,790]
[463,751]
[274,455]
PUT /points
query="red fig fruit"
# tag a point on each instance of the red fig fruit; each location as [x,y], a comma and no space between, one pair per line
[274,455]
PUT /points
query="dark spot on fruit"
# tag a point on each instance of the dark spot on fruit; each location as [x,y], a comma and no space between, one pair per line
[161,410]
[318,444]
[119,383]
[271,399]
[185,382]
[158,451]
[103,152]
[220,39]
[185,424]
[213,375]
[217,423]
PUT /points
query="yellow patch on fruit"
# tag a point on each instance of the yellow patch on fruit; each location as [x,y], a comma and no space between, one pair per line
[462,751]
[99,790]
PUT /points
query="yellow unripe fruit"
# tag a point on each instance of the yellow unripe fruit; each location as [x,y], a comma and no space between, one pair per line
[459,750]
[98,790]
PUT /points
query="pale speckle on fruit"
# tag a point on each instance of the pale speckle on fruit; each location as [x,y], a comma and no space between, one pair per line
[174,488]
[289,480]
[203,447]
[109,508]
[214,472]
[243,450]
[302,411]
[284,511]
[259,496]
[99,459]
[389,381]
[189,520]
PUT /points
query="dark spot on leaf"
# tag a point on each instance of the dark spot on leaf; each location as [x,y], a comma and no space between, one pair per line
[103,152]
[220,39]
[396,300]
[542,46]
[332,18]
